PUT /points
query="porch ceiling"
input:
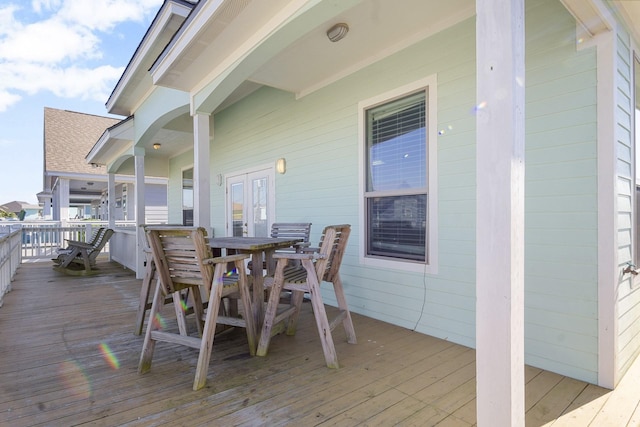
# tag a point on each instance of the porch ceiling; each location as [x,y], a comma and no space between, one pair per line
[377,28]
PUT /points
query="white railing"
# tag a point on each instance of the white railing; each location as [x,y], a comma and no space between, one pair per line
[41,239]
[124,246]
[10,258]
[42,242]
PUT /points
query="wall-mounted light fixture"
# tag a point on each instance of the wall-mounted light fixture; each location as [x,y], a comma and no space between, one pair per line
[219,179]
[338,32]
[157,146]
[281,165]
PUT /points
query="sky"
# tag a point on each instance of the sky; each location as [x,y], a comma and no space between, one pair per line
[65,54]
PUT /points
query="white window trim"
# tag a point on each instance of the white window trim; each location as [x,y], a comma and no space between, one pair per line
[431,266]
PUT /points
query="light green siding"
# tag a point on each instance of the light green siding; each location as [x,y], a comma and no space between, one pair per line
[318,136]
[628,294]
[561,328]
[174,190]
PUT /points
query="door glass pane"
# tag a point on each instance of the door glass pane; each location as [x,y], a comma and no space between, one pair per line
[237,208]
[259,207]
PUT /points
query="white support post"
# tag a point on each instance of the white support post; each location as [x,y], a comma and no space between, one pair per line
[46,207]
[500,213]
[139,191]
[55,204]
[63,201]
[111,200]
[202,132]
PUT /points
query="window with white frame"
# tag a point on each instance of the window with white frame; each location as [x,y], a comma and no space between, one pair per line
[397,176]
[187,197]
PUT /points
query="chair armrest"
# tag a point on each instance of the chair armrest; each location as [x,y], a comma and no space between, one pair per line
[81,245]
[72,242]
[228,258]
[313,255]
[309,249]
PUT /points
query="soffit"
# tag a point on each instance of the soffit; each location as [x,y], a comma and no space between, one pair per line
[630,12]
[136,81]
[377,28]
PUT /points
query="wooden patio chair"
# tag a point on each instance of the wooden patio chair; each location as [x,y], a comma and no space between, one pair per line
[289,230]
[317,265]
[67,250]
[183,261]
[84,254]
[151,275]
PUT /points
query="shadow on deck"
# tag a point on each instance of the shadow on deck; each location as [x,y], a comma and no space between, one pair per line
[69,356]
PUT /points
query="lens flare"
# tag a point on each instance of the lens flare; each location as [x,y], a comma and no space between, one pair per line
[158,321]
[109,356]
[74,379]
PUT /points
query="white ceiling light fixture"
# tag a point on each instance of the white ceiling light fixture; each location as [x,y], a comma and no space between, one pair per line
[337,32]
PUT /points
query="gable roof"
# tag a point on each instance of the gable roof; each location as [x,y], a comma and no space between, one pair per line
[135,81]
[68,137]
[16,206]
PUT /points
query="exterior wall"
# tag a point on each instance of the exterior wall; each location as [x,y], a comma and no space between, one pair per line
[561,245]
[628,295]
[155,199]
[174,189]
[318,136]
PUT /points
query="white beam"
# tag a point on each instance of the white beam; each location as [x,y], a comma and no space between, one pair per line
[63,200]
[111,200]
[201,171]
[608,271]
[139,191]
[500,213]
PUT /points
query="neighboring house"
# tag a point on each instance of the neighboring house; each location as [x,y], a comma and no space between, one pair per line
[23,210]
[392,129]
[76,189]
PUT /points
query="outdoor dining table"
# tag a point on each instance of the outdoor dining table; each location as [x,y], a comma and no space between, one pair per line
[257,247]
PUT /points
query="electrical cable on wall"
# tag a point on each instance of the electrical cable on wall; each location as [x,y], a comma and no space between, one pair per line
[424,296]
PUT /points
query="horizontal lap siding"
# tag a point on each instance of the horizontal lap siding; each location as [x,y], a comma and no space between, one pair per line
[318,136]
[561,328]
[155,200]
[628,295]
[174,189]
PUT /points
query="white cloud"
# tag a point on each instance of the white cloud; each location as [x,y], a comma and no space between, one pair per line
[103,15]
[7,99]
[49,42]
[66,82]
[54,45]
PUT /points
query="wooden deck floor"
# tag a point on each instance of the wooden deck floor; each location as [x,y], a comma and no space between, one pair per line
[55,331]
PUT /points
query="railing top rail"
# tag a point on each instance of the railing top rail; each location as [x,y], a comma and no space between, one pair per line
[5,237]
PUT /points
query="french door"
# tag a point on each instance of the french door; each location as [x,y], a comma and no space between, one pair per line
[250,204]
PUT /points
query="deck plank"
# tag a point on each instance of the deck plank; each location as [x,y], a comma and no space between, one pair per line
[54,373]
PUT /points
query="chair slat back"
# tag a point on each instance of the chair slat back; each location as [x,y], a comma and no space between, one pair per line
[333,242]
[103,237]
[95,235]
[288,230]
[178,254]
